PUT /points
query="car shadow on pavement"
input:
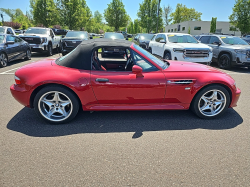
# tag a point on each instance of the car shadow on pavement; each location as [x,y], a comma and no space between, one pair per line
[27,122]
[235,69]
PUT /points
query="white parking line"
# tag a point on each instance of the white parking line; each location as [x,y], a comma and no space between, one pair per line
[6,72]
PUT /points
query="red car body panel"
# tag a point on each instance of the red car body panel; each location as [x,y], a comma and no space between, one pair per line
[124,91]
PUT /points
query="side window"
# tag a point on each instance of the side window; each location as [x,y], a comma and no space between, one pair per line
[17,39]
[10,38]
[214,39]
[9,31]
[153,38]
[51,33]
[158,38]
[205,39]
[143,63]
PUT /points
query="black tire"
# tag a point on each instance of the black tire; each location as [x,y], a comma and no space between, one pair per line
[28,55]
[150,50]
[50,50]
[225,61]
[59,48]
[198,106]
[72,107]
[3,60]
[167,56]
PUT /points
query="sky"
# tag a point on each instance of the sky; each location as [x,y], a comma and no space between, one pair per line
[209,8]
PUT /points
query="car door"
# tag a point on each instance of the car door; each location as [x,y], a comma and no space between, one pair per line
[124,87]
[213,42]
[53,38]
[161,45]
[20,49]
[12,49]
[157,44]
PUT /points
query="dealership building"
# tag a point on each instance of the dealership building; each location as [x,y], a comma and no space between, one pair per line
[201,27]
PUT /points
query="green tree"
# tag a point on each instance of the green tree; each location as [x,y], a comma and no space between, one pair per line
[213,25]
[74,13]
[189,30]
[136,26]
[45,12]
[182,13]
[147,15]
[166,14]
[240,17]
[131,28]
[116,15]
[12,13]
[98,17]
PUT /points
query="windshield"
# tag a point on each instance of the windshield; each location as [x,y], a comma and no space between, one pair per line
[181,39]
[114,35]
[146,36]
[150,56]
[1,39]
[233,40]
[77,34]
[36,31]
[2,30]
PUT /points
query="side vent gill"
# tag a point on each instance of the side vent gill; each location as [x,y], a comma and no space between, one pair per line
[180,81]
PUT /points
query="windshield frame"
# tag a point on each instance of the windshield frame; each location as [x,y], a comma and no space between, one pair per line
[27,31]
[159,63]
[222,37]
[182,36]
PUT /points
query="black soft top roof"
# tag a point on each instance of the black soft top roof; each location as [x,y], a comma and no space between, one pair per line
[80,58]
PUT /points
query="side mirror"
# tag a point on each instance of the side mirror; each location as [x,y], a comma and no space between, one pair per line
[10,42]
[63,36]
[127,38]
[91,37]
[162,41]
[137,70]
[217,43]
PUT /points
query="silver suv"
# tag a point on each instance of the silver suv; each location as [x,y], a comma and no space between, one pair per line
[228,51]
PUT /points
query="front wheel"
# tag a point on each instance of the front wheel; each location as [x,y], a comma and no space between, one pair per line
[211,102]
[167,56]
[225,61]
[3,60]
[28,55]
[50,50]
[56,104]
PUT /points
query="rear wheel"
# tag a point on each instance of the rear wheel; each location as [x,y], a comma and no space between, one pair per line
[3,60]
[211,102]
[225,61]
[56,104]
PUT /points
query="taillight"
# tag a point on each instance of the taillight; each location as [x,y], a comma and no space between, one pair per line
[17,80]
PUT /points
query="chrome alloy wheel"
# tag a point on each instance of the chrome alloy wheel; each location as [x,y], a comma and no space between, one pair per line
[3,60]
[212,103]
[55,106]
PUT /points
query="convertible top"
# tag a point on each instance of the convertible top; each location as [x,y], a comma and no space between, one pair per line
[80,57]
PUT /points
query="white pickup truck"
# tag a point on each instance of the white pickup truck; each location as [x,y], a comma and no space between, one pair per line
[42,40]
[182,47]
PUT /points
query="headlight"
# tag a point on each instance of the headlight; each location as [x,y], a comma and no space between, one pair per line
[178,50]
[239,51]
[44,40]
[210,50]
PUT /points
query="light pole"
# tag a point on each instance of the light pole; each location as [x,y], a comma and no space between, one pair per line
[158,8]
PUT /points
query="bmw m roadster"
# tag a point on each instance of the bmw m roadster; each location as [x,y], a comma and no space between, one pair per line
[57,88]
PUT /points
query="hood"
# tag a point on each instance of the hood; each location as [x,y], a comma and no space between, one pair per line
[190,45]
[180,66]
[32,35]
[40,63]
[243,47]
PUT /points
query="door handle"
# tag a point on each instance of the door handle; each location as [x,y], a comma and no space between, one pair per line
[101,80]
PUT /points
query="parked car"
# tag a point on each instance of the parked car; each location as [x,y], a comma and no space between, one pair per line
[125,34]
[72,40]
[61,32]
[13,48]
[42,40]
[228,51]
[112,51]
[19,31]
[143,40]
[146,83]
[246,38]
[6,30]
[178,46]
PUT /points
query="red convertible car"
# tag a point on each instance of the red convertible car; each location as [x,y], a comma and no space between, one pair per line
[57,88]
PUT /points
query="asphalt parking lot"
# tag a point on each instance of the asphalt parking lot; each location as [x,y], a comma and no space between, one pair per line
[139,148]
